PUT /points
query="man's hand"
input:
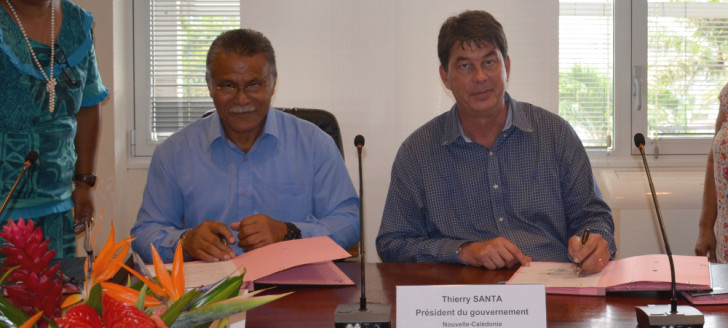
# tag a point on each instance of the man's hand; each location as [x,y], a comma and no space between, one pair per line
[204,242]
[705,246]
[259,230]
[594,255]
[493,254]
[83,207]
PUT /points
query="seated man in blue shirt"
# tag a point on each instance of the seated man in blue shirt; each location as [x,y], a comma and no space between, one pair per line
[248,175]
[492,182]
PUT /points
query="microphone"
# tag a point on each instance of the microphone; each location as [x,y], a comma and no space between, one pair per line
[662,315]
[364,315]
[30,160]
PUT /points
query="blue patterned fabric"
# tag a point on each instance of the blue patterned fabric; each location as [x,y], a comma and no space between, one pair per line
[293,173]
[25,122]
[535,187]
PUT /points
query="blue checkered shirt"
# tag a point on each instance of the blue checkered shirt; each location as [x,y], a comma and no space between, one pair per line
[535,187]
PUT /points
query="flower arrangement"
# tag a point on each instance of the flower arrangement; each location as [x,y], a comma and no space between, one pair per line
[32,290]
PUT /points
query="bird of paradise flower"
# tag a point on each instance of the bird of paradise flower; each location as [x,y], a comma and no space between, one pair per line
[178,307]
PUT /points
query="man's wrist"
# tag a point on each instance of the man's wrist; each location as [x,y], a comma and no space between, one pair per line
[460,249]
[181,239]
[292,232]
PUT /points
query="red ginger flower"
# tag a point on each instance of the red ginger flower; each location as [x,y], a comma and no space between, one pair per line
[37,286]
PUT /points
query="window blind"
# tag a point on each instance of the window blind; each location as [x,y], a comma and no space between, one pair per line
[181,32]
[687,53]
[586,70]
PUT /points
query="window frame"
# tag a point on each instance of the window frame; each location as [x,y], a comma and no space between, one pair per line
[142,144]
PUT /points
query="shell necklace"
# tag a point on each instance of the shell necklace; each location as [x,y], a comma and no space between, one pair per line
[50,80]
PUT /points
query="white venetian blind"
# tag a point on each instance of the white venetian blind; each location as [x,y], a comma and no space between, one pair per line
[687,54]
[181,32]
[586,69]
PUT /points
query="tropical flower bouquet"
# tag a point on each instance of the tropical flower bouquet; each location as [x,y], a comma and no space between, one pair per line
[32,289]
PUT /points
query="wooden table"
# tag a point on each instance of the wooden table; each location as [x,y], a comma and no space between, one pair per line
[314,306]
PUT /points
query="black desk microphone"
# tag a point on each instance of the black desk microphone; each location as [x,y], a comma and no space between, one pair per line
[30,160]
[663,315]
[362,314]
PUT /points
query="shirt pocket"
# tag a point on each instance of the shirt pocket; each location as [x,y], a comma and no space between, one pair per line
[287,202]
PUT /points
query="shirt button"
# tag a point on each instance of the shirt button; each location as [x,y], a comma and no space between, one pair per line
[500,219]
[245,192]
[495,186]
[245,159]
[491,153]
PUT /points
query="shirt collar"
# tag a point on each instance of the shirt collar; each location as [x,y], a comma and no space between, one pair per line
[271,127]
[453,128]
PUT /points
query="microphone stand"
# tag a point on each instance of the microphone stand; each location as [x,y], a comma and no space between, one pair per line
[30,159]
[664,315]
[359,143]
[364,315]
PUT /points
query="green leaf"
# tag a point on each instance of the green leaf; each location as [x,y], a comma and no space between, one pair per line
[140,300]
[94,298]
[170,315]
[222,309]
[6,323]
[7,274]
[224,322]
[11,312]
[227,289]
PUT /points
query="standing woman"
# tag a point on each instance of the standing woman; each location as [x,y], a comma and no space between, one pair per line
[715,193]
[50,90]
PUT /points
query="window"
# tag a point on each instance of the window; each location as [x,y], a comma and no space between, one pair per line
[677,59]
[585,70]
[172,47]
[686,67]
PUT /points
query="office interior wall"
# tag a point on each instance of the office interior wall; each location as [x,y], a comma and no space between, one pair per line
[119,188]
[679,192]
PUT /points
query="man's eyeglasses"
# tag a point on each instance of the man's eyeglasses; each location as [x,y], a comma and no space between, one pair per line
[68,74]
[251,88]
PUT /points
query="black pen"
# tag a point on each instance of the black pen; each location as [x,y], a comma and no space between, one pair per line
[584,238]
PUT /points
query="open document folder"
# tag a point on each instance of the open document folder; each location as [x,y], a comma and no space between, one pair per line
[719,282]
[308,259]
[637,273]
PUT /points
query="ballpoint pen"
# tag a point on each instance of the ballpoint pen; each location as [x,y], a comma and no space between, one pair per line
[584,238]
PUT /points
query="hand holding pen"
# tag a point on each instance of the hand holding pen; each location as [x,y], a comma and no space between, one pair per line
[209,242]
[590,252]
[584,238]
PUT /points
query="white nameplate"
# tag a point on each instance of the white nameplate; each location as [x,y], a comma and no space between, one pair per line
[471,306]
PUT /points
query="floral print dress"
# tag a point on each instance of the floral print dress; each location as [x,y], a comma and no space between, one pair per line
[720,169]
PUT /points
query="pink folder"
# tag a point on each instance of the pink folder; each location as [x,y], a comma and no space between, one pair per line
[637,273]
[719,283]
[309,258]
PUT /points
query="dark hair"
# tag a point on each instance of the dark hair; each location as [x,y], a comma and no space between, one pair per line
[243,42]
[473,26]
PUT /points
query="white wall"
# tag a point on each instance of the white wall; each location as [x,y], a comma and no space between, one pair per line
[118,191]
[637,232]
[374,65]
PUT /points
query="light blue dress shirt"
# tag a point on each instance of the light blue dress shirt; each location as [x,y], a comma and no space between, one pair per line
[294,173]
[534,187]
